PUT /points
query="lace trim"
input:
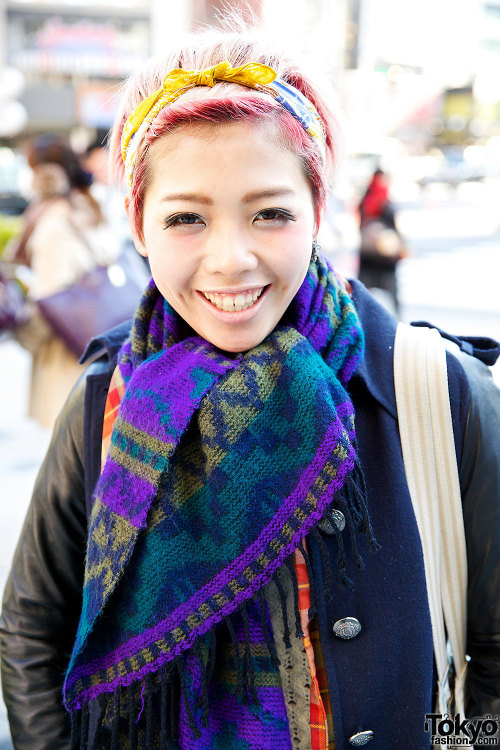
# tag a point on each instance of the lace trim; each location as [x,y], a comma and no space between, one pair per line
[294,667]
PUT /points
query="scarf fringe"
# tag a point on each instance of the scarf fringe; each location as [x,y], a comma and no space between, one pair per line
[115,735]
[152,706]
[132,729]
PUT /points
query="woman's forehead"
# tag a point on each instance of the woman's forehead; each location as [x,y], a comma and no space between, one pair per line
[208,132]
[222,148]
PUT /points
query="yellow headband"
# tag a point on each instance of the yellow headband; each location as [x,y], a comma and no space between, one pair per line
[175,83]
[252,75]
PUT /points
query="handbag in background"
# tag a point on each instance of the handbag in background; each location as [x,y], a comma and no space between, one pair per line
[380,242]
[101,299]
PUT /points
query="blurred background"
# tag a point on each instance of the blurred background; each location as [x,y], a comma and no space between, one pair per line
[421,87]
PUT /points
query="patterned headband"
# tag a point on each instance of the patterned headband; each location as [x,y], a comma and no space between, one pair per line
[252,75]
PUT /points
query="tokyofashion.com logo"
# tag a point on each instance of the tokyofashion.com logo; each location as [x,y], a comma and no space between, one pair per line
[455,731]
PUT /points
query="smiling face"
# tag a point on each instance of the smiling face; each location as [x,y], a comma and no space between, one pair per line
[228,227]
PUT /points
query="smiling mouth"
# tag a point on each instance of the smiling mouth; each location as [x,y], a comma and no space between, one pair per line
[234,302]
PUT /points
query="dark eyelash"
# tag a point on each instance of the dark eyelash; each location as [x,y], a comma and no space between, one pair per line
[172,219]
[282,212]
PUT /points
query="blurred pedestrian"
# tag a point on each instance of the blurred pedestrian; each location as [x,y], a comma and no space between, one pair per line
[111,199]
[65,236]
[382,246]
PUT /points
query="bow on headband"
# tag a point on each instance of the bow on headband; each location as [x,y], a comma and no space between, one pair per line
[252,75]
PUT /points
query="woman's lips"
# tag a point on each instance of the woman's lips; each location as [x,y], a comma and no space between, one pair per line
[235,306]
[234,301]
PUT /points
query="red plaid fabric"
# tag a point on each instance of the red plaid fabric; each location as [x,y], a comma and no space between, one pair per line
[320,715]
[322,681]
[115,393]
[317,714]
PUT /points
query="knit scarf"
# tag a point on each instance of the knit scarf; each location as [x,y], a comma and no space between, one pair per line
[218,468]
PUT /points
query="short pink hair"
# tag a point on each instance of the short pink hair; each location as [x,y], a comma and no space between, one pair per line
[228,102]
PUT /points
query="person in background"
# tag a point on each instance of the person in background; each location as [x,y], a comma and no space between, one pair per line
[382,246]
[65,236]
[221,550]
[111,199]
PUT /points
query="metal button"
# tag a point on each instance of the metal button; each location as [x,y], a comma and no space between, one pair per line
[361,738]
[347,627]
[333,521]
[338,518]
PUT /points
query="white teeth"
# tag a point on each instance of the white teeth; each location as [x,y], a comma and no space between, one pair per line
[228,303]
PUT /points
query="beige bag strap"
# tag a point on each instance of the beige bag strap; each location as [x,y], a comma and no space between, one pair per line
[427,442]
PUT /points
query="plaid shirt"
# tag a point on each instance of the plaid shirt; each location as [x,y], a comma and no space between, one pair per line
[320,715]
[115,394]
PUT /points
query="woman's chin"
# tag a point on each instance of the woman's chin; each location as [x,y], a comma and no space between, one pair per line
[235,344]
[233,331]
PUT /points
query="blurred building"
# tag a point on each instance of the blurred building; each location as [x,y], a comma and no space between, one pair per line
[426,72]
[71,55]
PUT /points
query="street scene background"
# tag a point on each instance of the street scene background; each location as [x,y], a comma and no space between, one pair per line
[427,112]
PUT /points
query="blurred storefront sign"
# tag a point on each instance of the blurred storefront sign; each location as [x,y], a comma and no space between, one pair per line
[71,56]
[77,46]
[458,110]
[470,112]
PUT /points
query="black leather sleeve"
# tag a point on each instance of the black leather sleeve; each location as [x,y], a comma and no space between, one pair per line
[42,598]
[480,484]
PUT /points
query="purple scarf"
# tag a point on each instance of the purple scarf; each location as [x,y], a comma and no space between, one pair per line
[218,468]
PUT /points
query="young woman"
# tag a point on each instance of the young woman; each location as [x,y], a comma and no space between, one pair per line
[251,573]
[65,237]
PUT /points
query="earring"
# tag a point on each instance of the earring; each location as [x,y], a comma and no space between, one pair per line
[316,249]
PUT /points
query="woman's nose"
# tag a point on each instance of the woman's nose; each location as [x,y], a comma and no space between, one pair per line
[229,252]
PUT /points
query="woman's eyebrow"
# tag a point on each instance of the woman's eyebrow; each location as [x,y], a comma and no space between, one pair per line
[193,197]
[277,192]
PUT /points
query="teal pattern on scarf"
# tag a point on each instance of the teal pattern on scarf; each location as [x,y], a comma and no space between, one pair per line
[218,468]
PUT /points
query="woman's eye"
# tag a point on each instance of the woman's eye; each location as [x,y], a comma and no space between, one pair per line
[274,215]
[179,220]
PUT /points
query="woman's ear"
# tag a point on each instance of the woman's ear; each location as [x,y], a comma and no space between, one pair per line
[138,238]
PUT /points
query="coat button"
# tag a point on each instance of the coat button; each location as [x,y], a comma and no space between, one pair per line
[361,738]
[332,522]
[347,627]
